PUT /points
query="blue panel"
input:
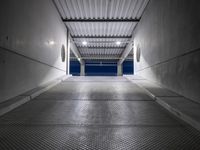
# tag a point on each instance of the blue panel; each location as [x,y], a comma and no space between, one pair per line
[75,68]
[101,69]
[97,69]
[128,67]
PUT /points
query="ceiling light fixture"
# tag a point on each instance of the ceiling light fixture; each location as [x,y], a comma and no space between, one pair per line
[84,43]
[118,42]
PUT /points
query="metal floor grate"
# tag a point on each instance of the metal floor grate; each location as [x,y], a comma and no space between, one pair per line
[96,79]
[90,112]
[101,138]
[94,116]
[95,90]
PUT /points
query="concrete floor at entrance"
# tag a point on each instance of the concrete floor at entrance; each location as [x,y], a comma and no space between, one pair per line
[94,113]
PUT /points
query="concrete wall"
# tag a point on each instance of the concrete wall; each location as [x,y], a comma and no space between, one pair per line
[168,36]
[27,58]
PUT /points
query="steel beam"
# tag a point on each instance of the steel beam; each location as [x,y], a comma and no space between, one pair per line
[101,37]
[102,58]
[122,47]
[67,20]
[76,51]
[126,52]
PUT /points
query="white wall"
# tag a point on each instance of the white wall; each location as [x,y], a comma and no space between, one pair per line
[169,38]
[26,57]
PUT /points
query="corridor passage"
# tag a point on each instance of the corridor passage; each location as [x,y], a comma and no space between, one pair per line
[94,113]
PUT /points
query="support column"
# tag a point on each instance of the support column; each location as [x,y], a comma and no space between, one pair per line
[119,70]
[68,53]
[82,69]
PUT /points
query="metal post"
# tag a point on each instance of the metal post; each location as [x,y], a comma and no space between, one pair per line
[119,70]
[82,72]
[68,53]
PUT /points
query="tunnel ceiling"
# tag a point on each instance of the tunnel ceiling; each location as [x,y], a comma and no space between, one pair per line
[101,23]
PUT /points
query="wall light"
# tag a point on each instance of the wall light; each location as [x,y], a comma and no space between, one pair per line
[118,42]
[84,43]
[51,42]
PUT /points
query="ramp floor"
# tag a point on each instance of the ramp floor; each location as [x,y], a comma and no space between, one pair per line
[94,113]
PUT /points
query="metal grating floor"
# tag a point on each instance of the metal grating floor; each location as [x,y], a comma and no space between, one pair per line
[62,119]
[103,138]
[96,78]
[90,113]
[96,90]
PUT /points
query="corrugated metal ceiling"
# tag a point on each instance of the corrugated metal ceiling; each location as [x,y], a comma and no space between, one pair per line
[101,28]
[101,42]
[101,9]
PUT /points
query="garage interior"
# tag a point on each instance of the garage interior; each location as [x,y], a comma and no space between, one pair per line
[99,74]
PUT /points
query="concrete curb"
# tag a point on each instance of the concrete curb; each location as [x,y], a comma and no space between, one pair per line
[17,101]
[182,112]
[13,103]
[41,89]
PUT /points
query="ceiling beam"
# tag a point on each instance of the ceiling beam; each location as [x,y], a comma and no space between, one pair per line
[99,58]
[101,37]
[126,52]
[102,58]
[102,47]
[100,20]
[76,52]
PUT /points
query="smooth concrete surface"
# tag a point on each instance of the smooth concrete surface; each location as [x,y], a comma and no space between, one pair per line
[116,114]
[31,37]
[183,108]
[168,37]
